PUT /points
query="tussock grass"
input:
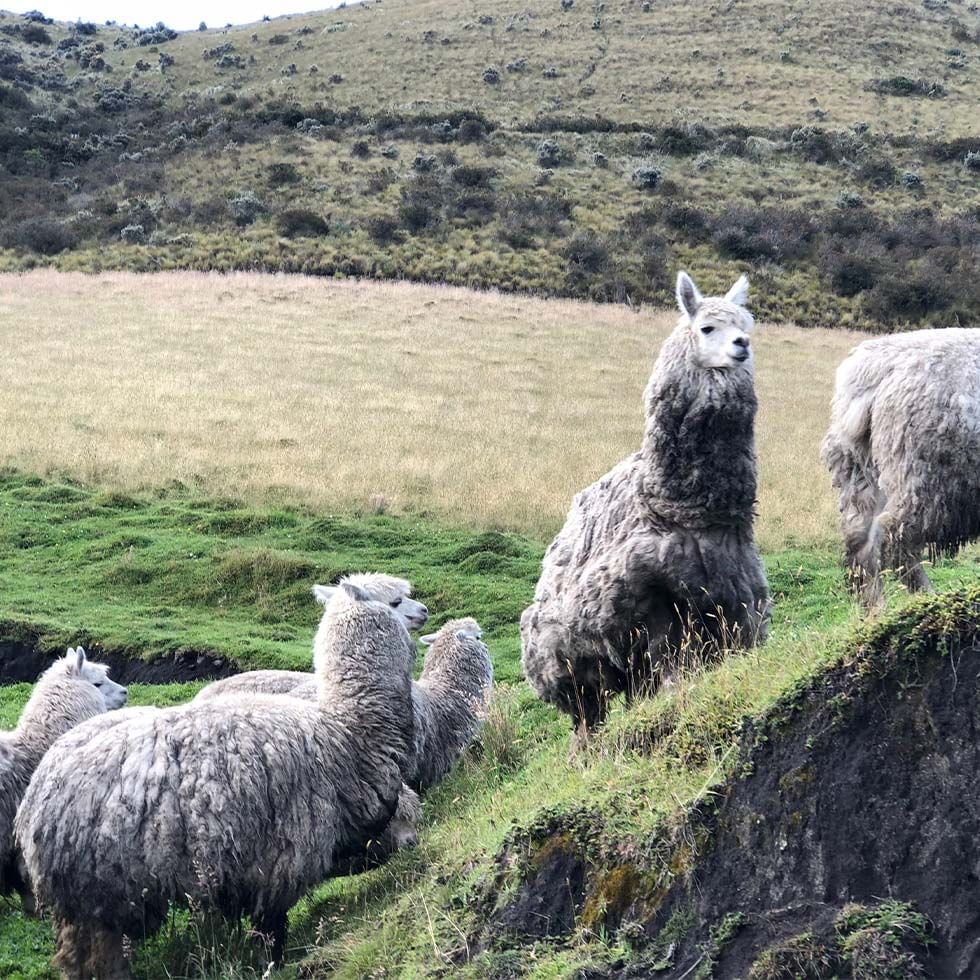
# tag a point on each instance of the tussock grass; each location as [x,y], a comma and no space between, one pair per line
[480,409]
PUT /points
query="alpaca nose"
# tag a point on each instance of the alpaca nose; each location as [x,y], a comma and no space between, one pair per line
[423,611]
[741,342]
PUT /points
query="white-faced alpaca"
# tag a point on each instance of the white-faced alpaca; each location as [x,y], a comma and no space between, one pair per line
[903,449]
[658,555]
[240,805]
[395,592]
[70,691]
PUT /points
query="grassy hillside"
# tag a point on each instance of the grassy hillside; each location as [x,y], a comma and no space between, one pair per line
[146,573]
[578,149]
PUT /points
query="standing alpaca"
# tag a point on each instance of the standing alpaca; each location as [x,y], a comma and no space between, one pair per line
[69,692]
[239,805]
[394,592]
[903,449]
[658,556]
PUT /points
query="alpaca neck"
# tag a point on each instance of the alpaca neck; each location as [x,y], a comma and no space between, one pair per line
[698,447]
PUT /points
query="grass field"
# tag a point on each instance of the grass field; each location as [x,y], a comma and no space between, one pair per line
[488,411]
[187,454]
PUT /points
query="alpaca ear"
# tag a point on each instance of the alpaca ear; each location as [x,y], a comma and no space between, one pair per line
[324,593]
[76,659]
[428,639]
[688,297]
[355,592]
[739,293]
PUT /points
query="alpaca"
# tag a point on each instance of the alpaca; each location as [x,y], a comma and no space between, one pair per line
[72,690]
[903,449]
[395,592]
[239,805]
[658,556]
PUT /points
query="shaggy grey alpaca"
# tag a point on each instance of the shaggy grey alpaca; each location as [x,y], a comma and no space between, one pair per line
[903,449]
[658,556]
[396,592]
[240,805]
[449,699]
[71,690]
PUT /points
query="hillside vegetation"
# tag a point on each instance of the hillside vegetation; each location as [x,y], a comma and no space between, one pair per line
[557,146]
[148,574]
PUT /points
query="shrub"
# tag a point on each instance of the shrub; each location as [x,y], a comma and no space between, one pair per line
[246,207]
[423,163]
[646,142]
[491,75]
[850,199]
[913,181]
[301,223]
[360,149]
[380,180]
[878,172]
[383,229]
[158,34]
[549,153]
[41,235]
[849,273]
[526,214]
[751,234]
[280,174]
[600,159]
[586,251]
[647,176]
[473,176]
[279,39]
[421,203]
[133,234]
[907,296]
[902,85]
[693,223]
[972,160]
[35,34]
[518,66]
[471,131]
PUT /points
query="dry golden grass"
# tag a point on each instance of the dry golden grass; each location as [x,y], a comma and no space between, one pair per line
[482,409]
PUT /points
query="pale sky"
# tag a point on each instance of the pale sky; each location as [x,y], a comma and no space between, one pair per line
[182,15]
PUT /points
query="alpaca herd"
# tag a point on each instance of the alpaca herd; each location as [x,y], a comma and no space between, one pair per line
[270,782]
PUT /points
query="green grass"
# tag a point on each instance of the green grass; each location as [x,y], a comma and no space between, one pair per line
[218,571]
[155,575]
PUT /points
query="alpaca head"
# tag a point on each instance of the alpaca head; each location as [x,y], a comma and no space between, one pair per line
[395,592]
[76,665]
[719,325]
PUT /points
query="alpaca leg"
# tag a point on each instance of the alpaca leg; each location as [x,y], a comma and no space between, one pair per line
[85,951]
[272,927]
[588,712]
[916,579]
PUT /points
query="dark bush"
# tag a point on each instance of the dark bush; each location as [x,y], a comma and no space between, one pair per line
[907,295]
[35,34]
[471,131]
[586,251]
[301,223]
[905,86]
[877,172]
[472,176]
[280,174]
[42,235]
[279,39]
[849,273]
[524,215]
[360,149]
[693,223]
[383,229]
[422,200]
[379,181]
[752,234]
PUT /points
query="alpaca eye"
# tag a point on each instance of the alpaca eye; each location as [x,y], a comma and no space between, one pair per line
[397,602]
[98,683]
[707,329]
